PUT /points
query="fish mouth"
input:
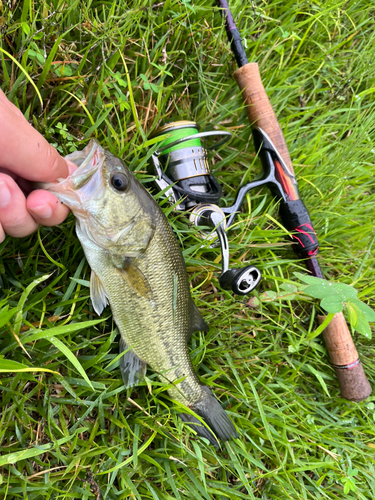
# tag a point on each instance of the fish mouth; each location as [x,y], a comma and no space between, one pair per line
[77,182]
[88,161]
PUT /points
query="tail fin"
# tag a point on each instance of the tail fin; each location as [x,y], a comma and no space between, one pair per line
[210,410]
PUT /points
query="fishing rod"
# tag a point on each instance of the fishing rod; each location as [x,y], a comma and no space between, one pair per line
[279,176]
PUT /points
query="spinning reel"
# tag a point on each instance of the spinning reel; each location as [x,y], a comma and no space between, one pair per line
[182,170]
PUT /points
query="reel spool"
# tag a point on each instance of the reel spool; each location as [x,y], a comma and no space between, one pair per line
[181,165]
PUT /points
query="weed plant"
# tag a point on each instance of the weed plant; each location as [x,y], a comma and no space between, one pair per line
[115,71]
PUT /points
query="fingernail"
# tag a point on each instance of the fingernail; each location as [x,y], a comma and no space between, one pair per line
[4,195]
[43,211]
[72,167]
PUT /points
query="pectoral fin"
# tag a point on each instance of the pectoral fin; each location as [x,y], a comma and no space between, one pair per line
[97,294]
[133,370]
[196,320]
[136,279]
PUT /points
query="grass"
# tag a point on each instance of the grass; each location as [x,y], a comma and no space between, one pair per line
[116,71]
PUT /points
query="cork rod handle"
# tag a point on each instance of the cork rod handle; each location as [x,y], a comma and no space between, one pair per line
[345,360]
[259,109]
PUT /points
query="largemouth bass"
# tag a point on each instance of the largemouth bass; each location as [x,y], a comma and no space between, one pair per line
[137,267]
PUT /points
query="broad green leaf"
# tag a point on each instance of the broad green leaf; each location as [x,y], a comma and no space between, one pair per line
[25,28]
[366,310]
[327,289]
[342,289]
[346,487]
[321,479]
[268,296]
[332,304]
[352,472]
[317,291]
[349,485]
[362,326]
[254,302]
[346,291]
[352,315]
[289,287]
[63,70]
[33,54]
[310,280]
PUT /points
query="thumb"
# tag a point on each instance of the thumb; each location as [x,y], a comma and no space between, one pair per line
[25,152]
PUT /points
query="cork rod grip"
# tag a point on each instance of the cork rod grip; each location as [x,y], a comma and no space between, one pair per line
[259,109]
[344,358]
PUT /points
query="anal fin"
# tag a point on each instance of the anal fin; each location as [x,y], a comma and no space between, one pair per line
[196,322]
[97,294]
[133,370]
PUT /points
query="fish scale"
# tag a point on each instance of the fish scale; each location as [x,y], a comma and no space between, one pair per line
[137,265]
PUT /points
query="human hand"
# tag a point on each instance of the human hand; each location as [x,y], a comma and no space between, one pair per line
[26,156]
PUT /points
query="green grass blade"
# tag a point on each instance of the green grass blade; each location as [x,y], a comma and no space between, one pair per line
[31,81]
[68,353]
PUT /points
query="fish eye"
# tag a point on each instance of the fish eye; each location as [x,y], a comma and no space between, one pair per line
[119,181]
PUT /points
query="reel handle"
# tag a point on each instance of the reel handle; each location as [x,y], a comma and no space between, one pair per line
[240,280]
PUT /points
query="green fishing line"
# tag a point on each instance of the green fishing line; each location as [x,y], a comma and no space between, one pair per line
[179,134]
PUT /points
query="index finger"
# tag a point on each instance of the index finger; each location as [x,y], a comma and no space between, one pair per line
[24,151]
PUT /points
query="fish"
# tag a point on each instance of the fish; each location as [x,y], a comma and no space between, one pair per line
[138,269]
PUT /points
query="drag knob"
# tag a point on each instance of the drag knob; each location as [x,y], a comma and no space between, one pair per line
[240,281]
